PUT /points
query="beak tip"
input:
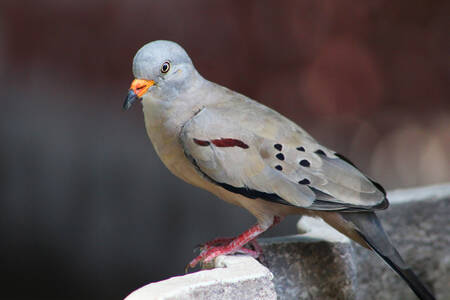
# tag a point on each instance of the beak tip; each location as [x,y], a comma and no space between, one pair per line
[129,100]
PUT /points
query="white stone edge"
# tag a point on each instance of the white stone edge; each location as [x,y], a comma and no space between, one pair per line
[424,193]
[316,228]
[228,270]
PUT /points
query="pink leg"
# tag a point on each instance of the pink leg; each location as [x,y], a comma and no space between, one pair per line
[217,242]
[221,241]
[223,246]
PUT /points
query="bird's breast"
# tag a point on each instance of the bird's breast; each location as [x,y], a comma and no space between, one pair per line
[163,127]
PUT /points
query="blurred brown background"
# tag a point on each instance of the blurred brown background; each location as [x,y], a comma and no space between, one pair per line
[87,210]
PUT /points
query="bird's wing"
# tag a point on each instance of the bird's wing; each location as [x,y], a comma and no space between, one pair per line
[252,150]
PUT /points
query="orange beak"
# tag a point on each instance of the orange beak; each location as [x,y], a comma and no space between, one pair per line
[140,86]
[137,89]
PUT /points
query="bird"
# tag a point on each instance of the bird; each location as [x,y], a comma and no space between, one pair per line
[249,155]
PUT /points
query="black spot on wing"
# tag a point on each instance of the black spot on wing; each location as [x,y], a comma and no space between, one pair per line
[280,156]
[279,168]
[304,163]
[304,181]
[278,147]
[300,149]
[320,152]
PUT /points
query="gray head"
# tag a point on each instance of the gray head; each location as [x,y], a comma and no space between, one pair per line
[161,68]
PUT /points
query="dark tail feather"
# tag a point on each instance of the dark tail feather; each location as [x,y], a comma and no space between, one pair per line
[407,274]
[370,229]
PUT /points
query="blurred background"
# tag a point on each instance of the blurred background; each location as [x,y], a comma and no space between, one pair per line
[87,210]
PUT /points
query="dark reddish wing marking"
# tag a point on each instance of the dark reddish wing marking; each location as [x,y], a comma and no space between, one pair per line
[222,143]
[201,142]
[226,142]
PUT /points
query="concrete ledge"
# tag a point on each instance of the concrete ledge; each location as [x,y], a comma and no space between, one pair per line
[323,264]
[426,193]
[235,277]
[311,268]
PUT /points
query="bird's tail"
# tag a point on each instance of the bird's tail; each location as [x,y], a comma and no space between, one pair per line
[369,228]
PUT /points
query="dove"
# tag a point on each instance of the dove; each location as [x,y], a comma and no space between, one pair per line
[250,155]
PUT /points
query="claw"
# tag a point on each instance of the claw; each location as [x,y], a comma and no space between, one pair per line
[198,247]
[186,268]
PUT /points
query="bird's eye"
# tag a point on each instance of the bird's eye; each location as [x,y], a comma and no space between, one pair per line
[165,67]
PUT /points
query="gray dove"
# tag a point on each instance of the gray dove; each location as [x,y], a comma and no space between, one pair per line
[249,155]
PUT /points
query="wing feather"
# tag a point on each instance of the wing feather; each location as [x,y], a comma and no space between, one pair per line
[277,161]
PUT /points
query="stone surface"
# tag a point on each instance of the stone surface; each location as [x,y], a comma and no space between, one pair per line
[235,277]
[310,268]
[418,224]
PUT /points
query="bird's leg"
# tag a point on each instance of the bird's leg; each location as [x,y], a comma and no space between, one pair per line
[217,242]
[223,246]
[226,240]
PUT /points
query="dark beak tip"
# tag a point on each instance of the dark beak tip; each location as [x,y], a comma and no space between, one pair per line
[126,106]
[129,100]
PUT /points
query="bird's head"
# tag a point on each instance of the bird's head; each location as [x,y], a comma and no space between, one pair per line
[161,69]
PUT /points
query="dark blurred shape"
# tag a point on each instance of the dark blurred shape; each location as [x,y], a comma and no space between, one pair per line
[86,208]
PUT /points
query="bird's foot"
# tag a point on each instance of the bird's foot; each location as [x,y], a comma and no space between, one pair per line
[224,246]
